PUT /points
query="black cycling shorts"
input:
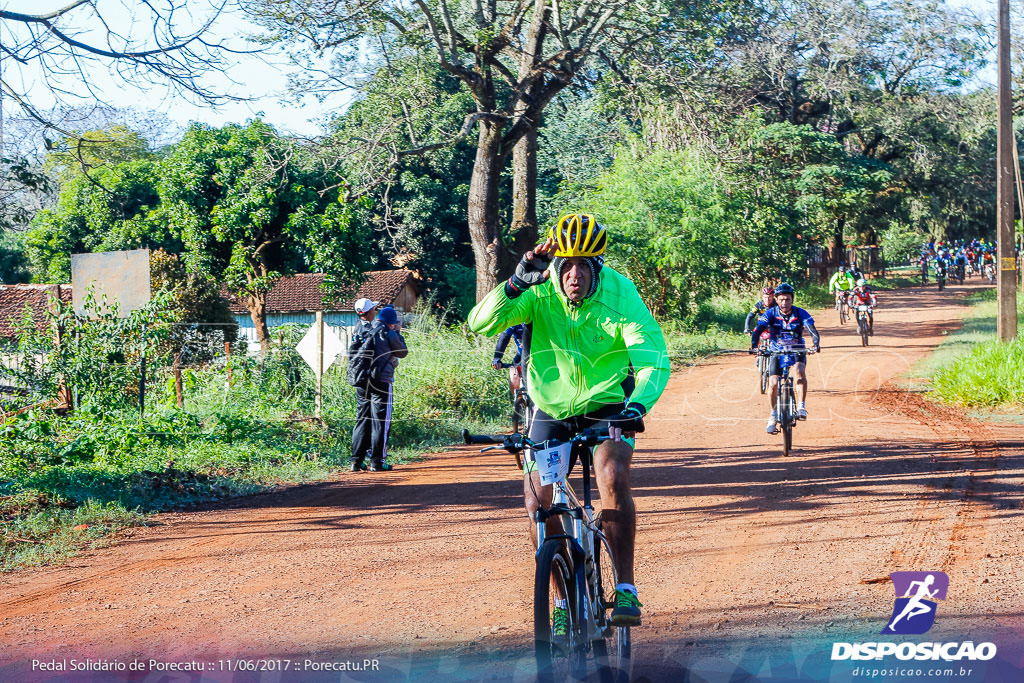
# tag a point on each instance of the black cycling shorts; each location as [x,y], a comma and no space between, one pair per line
[775,367]
[543,427]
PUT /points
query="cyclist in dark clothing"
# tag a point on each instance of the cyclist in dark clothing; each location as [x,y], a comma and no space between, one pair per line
[766,301]
[515,373]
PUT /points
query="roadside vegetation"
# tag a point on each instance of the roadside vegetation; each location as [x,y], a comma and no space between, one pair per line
[67,480]
[972,369]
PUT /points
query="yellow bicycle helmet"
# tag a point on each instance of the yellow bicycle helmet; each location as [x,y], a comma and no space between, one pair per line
[578,234]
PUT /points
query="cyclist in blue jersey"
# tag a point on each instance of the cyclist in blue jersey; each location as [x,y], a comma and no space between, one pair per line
[786,325]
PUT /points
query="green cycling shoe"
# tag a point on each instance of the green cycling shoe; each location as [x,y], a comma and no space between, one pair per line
[560,623]
[627,609]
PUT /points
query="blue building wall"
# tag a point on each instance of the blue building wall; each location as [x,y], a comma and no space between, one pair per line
[341,321]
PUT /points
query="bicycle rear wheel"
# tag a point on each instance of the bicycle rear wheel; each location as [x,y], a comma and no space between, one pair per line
[557,656]
[614,652]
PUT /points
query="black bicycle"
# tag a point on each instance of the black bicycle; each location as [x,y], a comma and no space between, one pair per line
[575,565]
[785,399]
[762,365]
[522,409]
[864,323]
[521,404]
[940,276]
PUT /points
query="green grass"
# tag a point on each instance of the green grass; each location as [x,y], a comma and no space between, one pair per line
[39,532]
[971,368]
[979,326]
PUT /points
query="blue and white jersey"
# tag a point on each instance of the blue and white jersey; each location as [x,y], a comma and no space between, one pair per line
[787,331]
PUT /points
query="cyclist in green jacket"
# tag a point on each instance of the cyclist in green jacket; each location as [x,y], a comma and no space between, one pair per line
[841,283]
[590,329]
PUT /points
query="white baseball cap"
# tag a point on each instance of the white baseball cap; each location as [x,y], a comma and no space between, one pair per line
[364,305]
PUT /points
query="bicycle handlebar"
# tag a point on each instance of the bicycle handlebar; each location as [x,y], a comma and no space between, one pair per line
[791,352]
[514,443]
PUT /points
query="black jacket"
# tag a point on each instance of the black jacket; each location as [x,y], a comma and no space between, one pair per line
[388,346]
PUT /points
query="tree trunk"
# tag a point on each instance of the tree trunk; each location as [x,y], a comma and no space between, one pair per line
[524,193]
[524,154]
[838,244]
[492,258]
[257,305]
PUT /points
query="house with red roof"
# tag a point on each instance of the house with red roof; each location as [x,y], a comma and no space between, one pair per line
[296,299]
[37,300]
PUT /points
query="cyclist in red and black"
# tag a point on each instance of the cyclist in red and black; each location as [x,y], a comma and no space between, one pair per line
[863,295]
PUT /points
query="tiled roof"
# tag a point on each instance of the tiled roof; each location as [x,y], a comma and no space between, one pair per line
[300,293]
[14,299]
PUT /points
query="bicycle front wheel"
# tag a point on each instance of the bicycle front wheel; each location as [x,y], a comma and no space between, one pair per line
[787,417]
[556,641]
[614,652]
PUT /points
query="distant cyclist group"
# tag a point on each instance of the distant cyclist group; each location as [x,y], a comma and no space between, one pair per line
[959,259]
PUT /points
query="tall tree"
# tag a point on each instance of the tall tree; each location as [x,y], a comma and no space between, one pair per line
[511,75]
[251,206]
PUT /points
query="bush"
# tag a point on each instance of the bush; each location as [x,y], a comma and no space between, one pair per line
[992,373]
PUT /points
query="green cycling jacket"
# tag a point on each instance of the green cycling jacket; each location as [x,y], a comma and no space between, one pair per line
[580,353]
[841,281]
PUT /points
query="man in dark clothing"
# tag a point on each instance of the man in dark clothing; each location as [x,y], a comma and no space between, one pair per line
[370,433]
[366,310]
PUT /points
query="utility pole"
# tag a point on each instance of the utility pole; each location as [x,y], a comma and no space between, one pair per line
[1006,150]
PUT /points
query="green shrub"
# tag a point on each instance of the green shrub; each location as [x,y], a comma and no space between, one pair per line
[991,374]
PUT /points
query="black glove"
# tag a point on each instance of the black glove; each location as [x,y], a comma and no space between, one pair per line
[752,350]
[629,420]
[817,348]
[529,272]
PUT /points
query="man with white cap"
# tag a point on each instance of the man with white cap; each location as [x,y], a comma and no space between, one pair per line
[367,312]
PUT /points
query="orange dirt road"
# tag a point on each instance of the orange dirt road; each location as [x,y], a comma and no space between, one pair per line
[747,562]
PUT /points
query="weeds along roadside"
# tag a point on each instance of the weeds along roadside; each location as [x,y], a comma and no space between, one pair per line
[67,482]
[970,368]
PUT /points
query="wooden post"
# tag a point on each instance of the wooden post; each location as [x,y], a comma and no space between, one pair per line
[178,396]
[1007,283]
[227,364]
[319,364]
[1020,195]
[142,373]
[64,398]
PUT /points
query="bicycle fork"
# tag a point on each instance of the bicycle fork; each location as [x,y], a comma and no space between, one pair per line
[580,537]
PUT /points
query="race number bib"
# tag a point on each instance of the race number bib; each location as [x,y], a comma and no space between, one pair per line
[553,463]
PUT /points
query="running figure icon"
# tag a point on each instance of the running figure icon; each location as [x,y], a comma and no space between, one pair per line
[915,606]
[917,594]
